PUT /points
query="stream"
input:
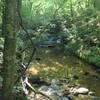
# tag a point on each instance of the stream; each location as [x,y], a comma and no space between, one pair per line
[54,63]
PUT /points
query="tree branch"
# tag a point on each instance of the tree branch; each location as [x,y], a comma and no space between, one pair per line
[26,83]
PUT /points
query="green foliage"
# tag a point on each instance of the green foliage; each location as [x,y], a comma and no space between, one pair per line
[1,5]
[76,20]
[37,11]
[96,4]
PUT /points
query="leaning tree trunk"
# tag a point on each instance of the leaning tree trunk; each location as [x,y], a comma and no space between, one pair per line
[9,29]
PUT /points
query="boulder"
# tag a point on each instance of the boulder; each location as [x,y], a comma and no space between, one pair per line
[82,90]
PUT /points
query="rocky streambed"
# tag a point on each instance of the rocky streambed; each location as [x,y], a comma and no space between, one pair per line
[69,77]
[59,90]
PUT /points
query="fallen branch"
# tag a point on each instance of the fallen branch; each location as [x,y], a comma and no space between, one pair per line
[25,83]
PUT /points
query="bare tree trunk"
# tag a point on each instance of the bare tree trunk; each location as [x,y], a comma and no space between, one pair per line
[9,29]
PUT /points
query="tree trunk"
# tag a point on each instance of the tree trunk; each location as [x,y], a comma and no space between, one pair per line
[9,68]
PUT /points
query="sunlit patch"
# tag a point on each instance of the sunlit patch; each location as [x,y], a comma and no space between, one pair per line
[57,64]
[33,71]
[50,69]
[54,69]
[43,65]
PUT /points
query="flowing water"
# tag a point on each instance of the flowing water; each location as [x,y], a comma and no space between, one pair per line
[53,63]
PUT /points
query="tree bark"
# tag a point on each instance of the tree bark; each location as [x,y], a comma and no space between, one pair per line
[9,29]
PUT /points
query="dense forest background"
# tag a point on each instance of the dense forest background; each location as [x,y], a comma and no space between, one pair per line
[26,25]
